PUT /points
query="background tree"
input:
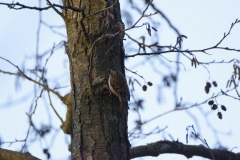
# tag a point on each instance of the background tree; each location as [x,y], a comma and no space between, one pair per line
[167,74]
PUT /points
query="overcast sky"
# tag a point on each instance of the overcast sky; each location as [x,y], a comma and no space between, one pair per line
[203,22]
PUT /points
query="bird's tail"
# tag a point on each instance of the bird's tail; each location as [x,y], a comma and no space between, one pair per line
[123,105]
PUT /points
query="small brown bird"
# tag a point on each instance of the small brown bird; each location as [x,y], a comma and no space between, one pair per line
[118,86]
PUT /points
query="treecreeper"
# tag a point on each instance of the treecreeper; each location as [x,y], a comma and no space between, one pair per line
[119,87]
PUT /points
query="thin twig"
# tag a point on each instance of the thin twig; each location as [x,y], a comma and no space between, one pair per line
[55,9]
[55,111]
[143,14]
[21,74]
[22,6]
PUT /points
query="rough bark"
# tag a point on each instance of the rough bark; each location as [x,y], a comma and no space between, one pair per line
[95,45]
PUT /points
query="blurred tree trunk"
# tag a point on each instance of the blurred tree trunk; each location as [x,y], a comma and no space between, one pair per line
[95,44]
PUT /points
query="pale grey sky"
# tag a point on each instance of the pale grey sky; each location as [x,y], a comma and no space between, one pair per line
[203,22]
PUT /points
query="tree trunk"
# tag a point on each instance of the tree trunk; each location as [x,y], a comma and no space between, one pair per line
[95,45]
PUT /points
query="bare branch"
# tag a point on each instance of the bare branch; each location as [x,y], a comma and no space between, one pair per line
[5,154]
[172,49]
[179,108]
[19,6]
[21,74]
[55,111]
[143,15]
[161,147]
[167,19]
[55,9]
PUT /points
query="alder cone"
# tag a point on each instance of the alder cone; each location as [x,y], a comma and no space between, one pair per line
[118,86]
